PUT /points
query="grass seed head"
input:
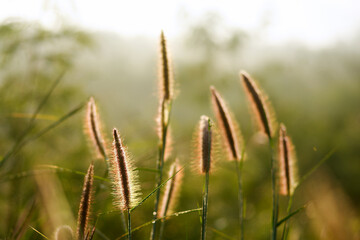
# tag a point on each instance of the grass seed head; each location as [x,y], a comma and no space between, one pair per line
[228,127]
[124,178]
[287,163]
[172,190]
[93,129]
[261,107]
[165,71]
[205,143]
[85,204]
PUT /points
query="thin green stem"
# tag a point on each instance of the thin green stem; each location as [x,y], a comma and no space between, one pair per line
[162,226]
[205,207]
[129,224]
[160,163]
[160,219]
[286,226]
[240,196]
[274,191]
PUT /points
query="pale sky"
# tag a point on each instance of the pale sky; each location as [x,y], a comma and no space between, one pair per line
[313,22]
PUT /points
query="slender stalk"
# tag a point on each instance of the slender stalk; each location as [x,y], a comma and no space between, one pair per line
[162,226]
[240,196]
[129,224]
[205,207]
[274,191]
[160,165]
[286,226]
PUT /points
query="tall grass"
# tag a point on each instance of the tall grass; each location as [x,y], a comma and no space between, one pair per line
[124,177]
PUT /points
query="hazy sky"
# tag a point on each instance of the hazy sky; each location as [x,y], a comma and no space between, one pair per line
[315,22]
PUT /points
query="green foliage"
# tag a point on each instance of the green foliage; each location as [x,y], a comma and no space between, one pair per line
[315,92]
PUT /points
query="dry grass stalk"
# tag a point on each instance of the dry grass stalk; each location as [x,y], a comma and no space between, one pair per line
[124,179]
[165,71]
[85,204]
[172,191]
[205,144]
[260,105]
[228,127]
[93,129]
[287,162]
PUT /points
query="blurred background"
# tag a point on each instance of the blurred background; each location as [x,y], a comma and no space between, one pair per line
[304,54]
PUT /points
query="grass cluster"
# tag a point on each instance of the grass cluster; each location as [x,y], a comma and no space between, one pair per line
[115,171]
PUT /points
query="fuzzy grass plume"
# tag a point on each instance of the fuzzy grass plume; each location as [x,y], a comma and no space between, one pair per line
[170,195]
[126,189]
[172,191]
[232,139]
[262,110]
[85,204]
[287,163]
[165,102]
[93,129]
[166,80]
[205,144]
[228,127]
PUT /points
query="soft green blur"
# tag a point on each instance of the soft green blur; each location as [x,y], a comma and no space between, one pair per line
[314,92]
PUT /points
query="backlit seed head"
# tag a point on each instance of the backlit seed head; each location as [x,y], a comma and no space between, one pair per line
[229,130]
[85,204]
[93,129]
[260,105]
[126,189]
[287,163]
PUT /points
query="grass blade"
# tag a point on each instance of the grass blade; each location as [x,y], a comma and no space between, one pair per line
[38,232]
[313,169]
[290,215]
[155,190]
[47,169]
[158,219]
[223,235]
[43,131]
[18,143]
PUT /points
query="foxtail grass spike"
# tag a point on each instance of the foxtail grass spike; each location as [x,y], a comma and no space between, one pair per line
[287,163]
[93,129]
[124,178]
[232,139]
[165,76]
[260,105]
[85,204]
[171,191]
[228,126]
[205,144]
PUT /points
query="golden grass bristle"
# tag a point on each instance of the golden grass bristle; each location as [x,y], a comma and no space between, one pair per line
[93,129]
[85,204]
[230,132]
[204,144]
[172,190]
[287,163]
[126,189]
[165,71]
[262,109]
